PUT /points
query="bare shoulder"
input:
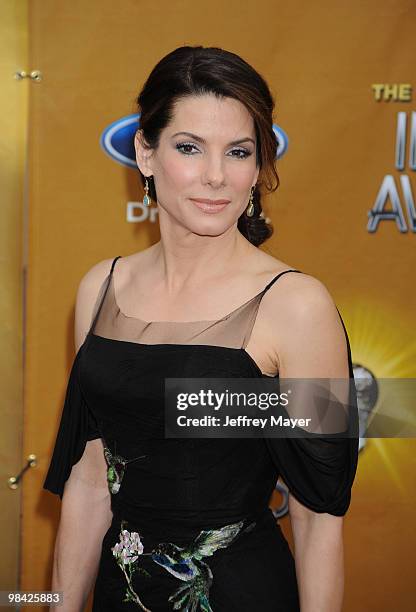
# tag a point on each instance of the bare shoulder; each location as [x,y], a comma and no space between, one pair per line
[294,289]
[299,293]
[89,292]
[306,329]
[95,276]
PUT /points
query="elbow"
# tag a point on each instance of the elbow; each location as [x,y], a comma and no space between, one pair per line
[320,530]
[301,514]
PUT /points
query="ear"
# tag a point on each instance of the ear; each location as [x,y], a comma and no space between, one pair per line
[143,154]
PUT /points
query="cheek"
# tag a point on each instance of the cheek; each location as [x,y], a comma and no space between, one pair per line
[241,176]
[176,172]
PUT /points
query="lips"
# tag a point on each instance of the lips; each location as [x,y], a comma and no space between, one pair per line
[210,207]
[210,202]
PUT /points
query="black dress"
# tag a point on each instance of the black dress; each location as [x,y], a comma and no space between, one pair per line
[191,526]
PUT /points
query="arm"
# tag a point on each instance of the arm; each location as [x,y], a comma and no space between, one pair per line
[85,517]
[311,344]
[319,558]
[86,501]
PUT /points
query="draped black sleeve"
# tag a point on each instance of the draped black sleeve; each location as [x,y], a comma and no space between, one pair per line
[319,471]
[77,426]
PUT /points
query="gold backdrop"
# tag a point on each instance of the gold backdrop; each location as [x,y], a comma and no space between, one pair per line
[322,61]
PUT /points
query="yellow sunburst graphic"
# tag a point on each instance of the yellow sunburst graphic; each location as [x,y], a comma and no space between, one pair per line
[383,341]
[380,338]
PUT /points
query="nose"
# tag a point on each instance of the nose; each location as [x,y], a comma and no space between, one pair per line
[213,170]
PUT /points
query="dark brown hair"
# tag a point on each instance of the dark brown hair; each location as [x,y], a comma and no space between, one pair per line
[198,70]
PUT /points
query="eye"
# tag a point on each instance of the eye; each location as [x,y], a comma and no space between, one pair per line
[243,153]
[182,145]
[238,153]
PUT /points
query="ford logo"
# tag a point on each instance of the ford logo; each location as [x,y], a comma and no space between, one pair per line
[117,140]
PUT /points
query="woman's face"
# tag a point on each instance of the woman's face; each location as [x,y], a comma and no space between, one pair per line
[208,151]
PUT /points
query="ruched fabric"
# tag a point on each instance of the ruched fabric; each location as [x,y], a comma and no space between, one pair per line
[319,472]
[77,426]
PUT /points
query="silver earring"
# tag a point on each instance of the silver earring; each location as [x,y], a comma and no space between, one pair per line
[146,199]
[250,207]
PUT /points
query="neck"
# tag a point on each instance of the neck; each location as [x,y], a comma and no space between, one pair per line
[187,259]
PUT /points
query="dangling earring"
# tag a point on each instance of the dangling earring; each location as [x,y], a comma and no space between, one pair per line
[250,207]
[146,199]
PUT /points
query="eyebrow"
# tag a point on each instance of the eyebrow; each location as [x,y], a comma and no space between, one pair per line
[199,139]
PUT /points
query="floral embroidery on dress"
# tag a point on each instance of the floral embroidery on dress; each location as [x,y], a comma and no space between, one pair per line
[116,468]
[127,552]
[184,563]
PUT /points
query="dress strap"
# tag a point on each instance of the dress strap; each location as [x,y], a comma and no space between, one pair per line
[114,263]
[254,312]
[277,277]
[101,295]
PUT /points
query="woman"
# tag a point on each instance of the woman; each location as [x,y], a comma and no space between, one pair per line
[181,524]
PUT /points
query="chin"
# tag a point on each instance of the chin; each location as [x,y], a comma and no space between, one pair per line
[211,227]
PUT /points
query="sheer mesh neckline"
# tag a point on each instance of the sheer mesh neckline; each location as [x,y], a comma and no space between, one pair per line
[233,330]
[224,318]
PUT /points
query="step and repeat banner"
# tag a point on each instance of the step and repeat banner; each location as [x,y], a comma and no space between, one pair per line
[344,82]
